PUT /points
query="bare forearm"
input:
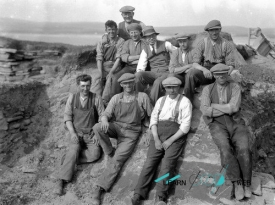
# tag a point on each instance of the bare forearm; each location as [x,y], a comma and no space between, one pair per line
[198,66]
[70,126]
[133,58]
[99,65]
[155,132]
[176,136]
[116,64]
[182,69]
[225,108]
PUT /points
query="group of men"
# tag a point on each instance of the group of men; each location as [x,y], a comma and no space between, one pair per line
[129,57]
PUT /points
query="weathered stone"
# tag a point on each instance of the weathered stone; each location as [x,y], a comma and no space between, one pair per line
[227,201]
[27,122]
[11,119]
[269,196]
[257,200]
[14,126]
[256,186]
[3,124]
[3,134]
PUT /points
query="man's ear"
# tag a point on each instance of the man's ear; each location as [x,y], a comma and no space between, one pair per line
[133,13]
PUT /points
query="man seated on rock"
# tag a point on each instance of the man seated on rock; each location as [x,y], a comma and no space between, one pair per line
[170,123]
[81,114]
[127,109]
[210,51]
[130,53]
[107,57]
[156,55]
[220,105]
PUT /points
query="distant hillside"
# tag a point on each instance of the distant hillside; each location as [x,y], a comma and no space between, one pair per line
[22,26]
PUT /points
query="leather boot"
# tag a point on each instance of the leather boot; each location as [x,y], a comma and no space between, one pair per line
[239,192]
[159,200]
[247,191]
[58,189]
[96,195]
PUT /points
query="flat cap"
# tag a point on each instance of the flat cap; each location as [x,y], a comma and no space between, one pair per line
[134,27]
[182,36]
[126,77]
[213,25]
[171,81]
[149,30]
[219,68]
[127,9]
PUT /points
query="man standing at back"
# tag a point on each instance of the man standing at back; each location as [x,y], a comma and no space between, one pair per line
[127,12]
[210,51]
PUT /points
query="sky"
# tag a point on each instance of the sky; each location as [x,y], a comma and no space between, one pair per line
[248,13]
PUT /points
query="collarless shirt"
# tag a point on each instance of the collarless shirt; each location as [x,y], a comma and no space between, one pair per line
[168,112]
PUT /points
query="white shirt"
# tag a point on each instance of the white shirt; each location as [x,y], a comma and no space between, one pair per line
[168,112]
[183,56]
[143,59]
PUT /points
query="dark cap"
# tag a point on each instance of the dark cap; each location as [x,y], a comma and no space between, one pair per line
[134,27]
[149,30]
[219,68]
[182,36]
[127,9]
[171,81]
[214,24]
[126,77]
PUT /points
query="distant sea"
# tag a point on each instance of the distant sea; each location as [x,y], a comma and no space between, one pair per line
[86,39]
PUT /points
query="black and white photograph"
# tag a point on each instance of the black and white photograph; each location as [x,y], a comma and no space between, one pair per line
[126,102]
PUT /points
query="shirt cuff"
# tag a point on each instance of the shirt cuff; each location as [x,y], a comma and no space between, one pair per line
[185,129]
[125,57]
[151,124]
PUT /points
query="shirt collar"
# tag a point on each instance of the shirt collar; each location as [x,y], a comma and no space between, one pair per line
[218,41]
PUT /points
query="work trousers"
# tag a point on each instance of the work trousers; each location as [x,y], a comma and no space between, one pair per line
[168,159]
[126,142]
[113,86]
[232,140]
[194,78]
[81,152]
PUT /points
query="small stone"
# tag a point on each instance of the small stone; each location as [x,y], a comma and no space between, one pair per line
[27,122]
[227,201]
[258,200]
[256,186]
[11,119]
[3,124]
[269,196]
[14,126]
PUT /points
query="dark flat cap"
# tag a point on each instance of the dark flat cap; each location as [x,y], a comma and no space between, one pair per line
[182,36]
[219,68]
[126,77]
[171,81]
[213,25]
[149,30]
[134,27]
[127,9]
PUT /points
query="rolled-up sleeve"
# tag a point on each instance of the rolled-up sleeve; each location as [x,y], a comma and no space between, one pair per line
[146,104]
[154,115]
[206,108]
[229,57]
[119,47]
[185,115]
[68,114]
[142,62]
[173,61]
[99,51]
[111,106]
[169,47]
[125,52]
[235,100]
[198,52]
[99,105]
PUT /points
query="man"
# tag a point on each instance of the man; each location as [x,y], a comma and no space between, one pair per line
[108,58]
[156,55]
[210,51]
[127,109]
[127,12]
[181,59]
[170,123]
[81,112]
[130,53]
[220,105]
